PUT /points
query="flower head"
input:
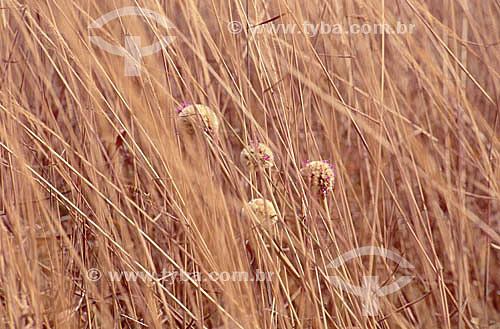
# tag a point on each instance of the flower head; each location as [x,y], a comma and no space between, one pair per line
[320,175]
[183,106]
[257,155]
[196,116]
[261,210]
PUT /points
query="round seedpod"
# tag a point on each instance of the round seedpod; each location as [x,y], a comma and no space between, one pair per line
[257,155]
[183,106]
[193,117]
[262,211]
[320,176]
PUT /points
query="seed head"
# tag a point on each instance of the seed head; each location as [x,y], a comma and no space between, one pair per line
[262,211]
[320,175]
[183,106]
[257,155]
[197,116]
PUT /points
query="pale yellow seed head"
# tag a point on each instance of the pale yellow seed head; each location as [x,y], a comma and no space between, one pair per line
[262,211]
[198,117]
[320,176]
[257,155]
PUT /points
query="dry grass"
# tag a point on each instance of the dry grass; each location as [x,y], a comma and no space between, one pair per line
[94,175]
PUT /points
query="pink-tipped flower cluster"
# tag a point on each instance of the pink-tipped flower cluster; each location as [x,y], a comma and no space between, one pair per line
[183,106]
[257,155]
[320,176]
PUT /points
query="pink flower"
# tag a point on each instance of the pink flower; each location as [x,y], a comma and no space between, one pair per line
[183,106]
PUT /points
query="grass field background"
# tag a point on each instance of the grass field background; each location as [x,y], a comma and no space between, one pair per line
[96,173]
